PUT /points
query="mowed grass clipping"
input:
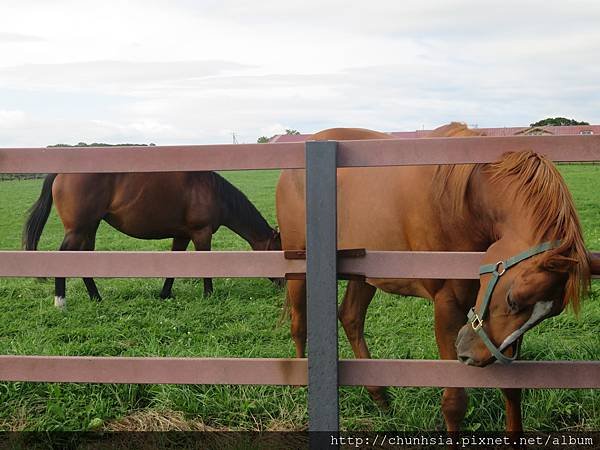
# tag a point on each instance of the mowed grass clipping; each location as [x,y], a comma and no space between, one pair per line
[242,319]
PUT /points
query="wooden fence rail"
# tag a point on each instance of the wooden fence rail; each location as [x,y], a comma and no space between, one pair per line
[322,371]
[367,153]
[268,371]
[234,264]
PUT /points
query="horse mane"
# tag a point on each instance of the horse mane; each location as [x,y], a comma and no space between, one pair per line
[239,207]
[544,191]
[455,129]
[453,180]
[541,188]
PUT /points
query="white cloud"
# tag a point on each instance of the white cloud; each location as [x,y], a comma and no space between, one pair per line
[17,37]
[11,119]
[110,76]
[195,71]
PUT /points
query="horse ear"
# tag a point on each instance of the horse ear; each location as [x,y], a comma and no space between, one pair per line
[559,263]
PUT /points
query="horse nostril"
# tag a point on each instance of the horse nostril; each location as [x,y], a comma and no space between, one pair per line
[463,358]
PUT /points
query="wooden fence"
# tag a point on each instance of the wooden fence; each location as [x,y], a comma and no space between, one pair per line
[322,371]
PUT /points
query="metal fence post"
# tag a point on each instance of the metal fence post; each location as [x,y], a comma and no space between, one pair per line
[321,277]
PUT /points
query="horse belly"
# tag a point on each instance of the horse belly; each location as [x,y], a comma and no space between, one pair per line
[406,287]
[143,227]
[147,206]
[388,209]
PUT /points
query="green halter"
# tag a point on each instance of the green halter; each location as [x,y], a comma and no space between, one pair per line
[497,270]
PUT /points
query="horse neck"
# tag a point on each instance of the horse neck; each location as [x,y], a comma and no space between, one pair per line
[254,230]
[241,216]
[503,215]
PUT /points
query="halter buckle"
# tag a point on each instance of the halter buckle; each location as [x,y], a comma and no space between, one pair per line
[498,264]
[476,322]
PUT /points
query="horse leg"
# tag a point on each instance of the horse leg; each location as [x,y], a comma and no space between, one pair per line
[90,244]
[449,318]
[352,314]
[76,240]
[60,287]
[92,289]
[296,300]
[202,241]
[178,245]
[512,397]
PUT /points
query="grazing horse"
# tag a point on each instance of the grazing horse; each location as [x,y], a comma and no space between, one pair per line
[185,206]
[519,206]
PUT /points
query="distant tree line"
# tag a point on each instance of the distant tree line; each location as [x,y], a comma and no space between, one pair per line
[20,176]
[30,176]
[557,122]
[100,144]
[265,139]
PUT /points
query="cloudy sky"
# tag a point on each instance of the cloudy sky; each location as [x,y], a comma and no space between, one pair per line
[184,71]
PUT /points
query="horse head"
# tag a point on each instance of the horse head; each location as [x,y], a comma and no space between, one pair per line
[274,242]
[537,266]
[516,293]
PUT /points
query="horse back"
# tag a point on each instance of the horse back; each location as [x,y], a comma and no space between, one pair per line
[379,208]
[151,205]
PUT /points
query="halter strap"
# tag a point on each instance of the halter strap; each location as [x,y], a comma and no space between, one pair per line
[489,268]
[497,270]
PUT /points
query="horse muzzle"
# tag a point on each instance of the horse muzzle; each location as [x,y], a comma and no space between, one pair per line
[469,349]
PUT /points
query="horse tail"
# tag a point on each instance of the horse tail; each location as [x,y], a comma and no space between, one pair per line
[38,215]
[286,310]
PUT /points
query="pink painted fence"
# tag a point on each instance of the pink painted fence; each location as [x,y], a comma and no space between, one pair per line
[575,374]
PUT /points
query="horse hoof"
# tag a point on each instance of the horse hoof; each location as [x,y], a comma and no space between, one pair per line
[383,404]
[380,398]
[60,302]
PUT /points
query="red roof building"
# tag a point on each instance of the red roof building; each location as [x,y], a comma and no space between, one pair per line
[505,131]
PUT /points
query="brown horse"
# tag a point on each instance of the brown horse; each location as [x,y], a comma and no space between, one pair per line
[185,206]
[503,209]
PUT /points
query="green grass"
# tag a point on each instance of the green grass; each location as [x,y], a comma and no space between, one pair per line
[241,319]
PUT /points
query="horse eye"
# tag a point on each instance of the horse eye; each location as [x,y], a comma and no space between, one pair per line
[513,307]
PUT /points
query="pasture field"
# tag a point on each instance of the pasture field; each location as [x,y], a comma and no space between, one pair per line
[242,319]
